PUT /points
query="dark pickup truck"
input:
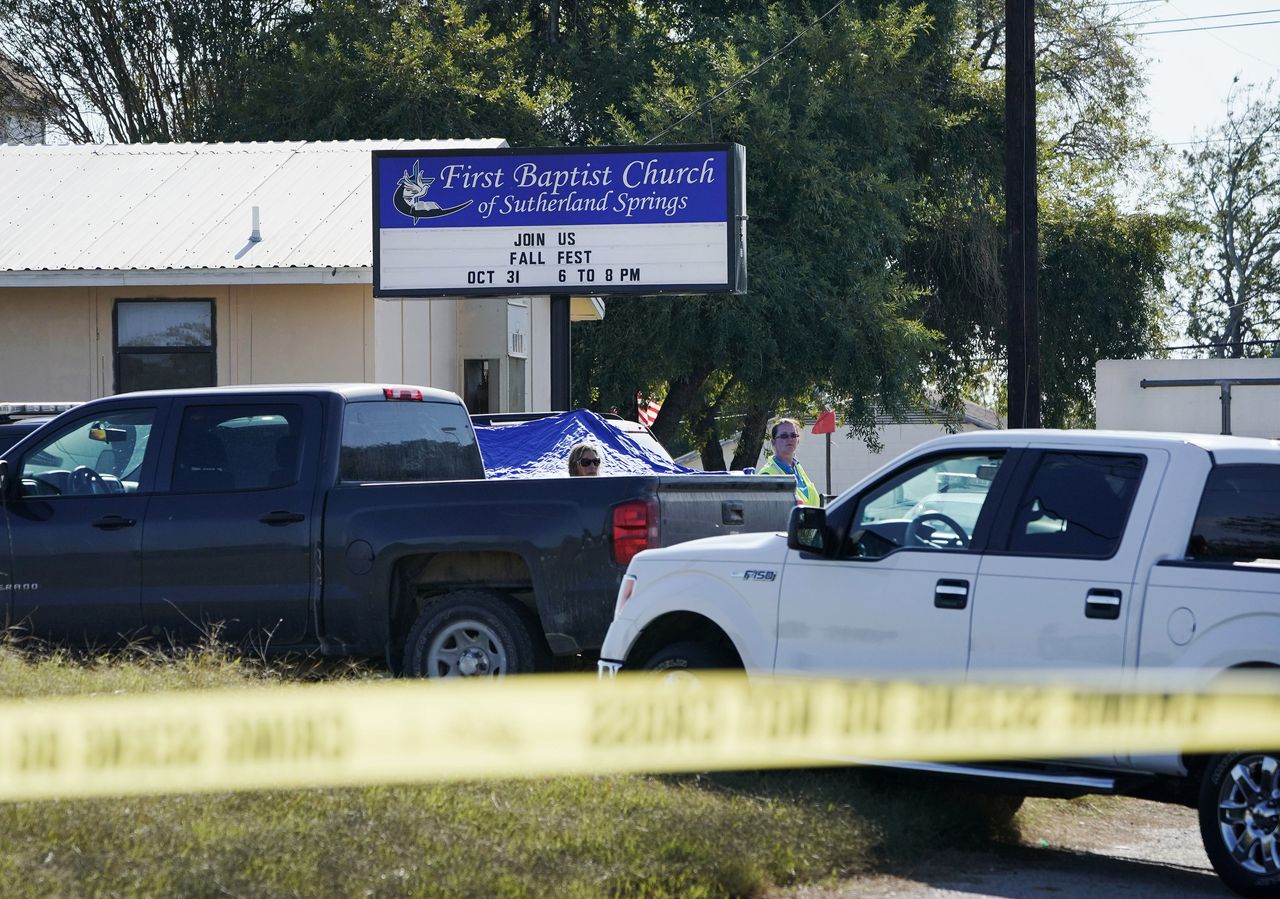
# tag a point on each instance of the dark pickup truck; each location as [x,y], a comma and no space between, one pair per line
[349,519]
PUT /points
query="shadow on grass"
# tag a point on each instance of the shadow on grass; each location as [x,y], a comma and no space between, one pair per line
[910,815]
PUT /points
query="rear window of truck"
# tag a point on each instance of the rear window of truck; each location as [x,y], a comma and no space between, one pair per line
[1239,515]
[408,441]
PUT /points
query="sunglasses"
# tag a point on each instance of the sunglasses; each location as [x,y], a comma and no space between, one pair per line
[786,436]
[589,462]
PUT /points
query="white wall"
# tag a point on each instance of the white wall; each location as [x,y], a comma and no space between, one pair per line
[48,345]
[286,334]
[540,354]
[1123,404]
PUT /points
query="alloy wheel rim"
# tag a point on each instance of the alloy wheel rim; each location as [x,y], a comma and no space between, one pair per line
[1249,813]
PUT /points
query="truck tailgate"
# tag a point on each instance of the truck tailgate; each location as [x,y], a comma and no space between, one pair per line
[709,505]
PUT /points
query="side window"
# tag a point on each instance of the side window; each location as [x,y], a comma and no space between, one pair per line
[1076,504]
[94,455]
[256,446]
[1239,515]
[932,505]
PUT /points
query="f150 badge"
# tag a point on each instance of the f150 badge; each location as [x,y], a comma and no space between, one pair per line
[756,574]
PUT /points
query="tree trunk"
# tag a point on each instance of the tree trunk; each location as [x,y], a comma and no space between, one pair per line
[754,428]
[682,396]
[709,430]
[553,22]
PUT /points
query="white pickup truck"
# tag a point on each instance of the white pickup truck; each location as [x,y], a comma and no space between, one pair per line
[992,551]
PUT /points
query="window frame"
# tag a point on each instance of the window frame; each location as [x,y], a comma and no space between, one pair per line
[342,446]
[146,467]
[840,516]
[298,431]
[1028,466]
[1225,470]
[117,351]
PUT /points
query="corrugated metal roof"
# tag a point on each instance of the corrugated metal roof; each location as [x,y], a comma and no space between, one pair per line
[106,209]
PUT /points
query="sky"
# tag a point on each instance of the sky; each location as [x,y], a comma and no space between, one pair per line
[1191,72]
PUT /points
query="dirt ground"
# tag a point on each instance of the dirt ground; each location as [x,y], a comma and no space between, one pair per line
[1102,847]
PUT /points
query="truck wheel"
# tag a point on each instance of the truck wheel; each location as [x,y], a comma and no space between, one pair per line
[1239,812]
[677,661]
[469,634]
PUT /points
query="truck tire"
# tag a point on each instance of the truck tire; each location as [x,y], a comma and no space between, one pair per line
[1239,808]
[677,661]
[469,633]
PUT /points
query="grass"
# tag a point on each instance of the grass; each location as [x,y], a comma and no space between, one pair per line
[663,836]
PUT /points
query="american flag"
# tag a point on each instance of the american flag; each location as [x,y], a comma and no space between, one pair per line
[647,410]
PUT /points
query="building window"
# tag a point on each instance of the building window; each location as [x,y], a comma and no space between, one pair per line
[161,344]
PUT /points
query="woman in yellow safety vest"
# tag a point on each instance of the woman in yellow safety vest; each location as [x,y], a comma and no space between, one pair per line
[785,436]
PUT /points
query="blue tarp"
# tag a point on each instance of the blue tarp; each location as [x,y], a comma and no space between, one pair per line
[540,449]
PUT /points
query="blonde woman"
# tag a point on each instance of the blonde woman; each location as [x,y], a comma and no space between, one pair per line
[584,461]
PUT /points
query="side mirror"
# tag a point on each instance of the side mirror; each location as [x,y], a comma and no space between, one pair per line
[4,479]
[807,530]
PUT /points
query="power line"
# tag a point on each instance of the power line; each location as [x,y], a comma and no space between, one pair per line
[1211,27]
[1225,15]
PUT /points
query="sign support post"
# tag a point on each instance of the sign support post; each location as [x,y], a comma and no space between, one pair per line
[561,353]
[826,424]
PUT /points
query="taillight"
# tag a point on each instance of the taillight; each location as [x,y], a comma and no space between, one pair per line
[402,393]
[635,527]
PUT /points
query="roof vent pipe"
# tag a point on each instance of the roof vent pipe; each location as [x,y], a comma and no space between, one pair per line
[256,234]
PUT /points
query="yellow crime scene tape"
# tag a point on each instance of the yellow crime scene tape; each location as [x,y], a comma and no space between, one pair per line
[406,731]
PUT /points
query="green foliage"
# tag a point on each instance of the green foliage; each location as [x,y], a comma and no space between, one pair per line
[1101,290]
[832,137]
[391,68]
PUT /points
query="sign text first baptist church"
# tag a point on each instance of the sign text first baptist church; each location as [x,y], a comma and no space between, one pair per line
[604,220]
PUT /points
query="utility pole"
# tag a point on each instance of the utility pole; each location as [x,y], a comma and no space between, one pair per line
[1021,213]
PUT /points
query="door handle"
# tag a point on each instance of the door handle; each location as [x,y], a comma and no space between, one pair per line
[282,517]
[732,512]
[951,594]
[114,522]
[1102,603]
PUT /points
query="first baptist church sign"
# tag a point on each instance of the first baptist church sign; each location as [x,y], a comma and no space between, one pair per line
[601,220]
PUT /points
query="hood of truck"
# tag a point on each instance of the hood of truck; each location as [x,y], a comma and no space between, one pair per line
[767,548]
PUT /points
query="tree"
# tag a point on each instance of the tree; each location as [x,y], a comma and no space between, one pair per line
[1095,285]
[1229,262]
[1102,297]
[138,70]
[370,69]
[833,136]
